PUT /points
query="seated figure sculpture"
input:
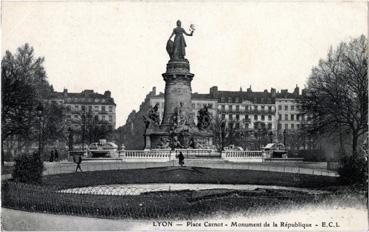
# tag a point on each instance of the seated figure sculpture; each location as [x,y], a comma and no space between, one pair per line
[152,118]
[176,143]
[164,143]
[203,118]
[180,122]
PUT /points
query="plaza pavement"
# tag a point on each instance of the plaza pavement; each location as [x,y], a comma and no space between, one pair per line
[309,168]
[302,168]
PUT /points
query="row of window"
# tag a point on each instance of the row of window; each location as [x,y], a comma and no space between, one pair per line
[237,108]
[291,107]
[102,117]
[201,105]
[194,105]
[289,126]
[256,117]
[292,117]
[230,99]
[239,100]
[237,125]
[83,99]
[90,108]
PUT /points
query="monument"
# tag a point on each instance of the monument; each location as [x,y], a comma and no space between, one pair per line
[177,128]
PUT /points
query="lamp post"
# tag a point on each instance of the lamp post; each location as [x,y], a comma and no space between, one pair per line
[83,130]
[40,110]
[284,137]
[271,136]
[70,139]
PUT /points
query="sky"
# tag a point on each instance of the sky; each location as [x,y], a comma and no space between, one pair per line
[120,45]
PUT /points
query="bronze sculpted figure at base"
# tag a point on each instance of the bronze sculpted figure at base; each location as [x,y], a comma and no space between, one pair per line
[164,143]
[152,118]
[204,118]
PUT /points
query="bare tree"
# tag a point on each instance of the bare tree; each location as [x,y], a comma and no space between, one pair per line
[337,92]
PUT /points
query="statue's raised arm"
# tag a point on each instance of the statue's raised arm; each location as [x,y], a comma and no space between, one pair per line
[177,48]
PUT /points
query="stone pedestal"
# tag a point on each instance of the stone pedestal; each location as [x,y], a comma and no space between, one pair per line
[177,90]
[178,118]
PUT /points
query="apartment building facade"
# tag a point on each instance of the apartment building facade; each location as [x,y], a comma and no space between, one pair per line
[272,110]
[101,106]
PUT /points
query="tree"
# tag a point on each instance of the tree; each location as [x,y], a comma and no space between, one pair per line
[18,99]
[337,92]
[23,86]
[225,133]
[91,129]
[53,123]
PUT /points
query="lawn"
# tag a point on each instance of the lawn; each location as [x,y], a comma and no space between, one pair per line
[187,175]
[175,204]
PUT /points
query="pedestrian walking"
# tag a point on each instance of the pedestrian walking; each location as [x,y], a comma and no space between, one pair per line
[51,159]
[56,155]
[78,160]
[181,159]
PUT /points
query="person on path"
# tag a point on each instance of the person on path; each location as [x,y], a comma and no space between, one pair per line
[51,159]
[78,160]
[181,159]
[56,155]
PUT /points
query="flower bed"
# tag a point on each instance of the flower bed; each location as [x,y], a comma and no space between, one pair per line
[176,204]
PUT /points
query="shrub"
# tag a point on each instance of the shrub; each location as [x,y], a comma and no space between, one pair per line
[309,155]
[354,169]
[28,168]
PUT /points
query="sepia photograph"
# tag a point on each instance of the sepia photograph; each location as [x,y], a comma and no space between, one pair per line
[184,115]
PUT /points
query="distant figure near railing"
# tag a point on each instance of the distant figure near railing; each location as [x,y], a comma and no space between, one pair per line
[242,156]
[198,153]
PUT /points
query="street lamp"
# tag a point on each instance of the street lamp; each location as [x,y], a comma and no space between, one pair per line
[284,137]
[271,136]
[40,110]
[70,139]
[83,129]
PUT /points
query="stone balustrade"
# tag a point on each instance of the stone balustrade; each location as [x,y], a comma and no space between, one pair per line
[242,156]
[198,153]
[145,156]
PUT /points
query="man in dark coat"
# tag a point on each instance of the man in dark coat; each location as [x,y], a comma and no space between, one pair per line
[51,159]
[56,154]
[78,160]
[181,159]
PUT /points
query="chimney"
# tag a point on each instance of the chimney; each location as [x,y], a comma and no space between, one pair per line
[284,92]
[249,90]
[153,91]
[65,92]
[240,89]
[296,92]
[273,92]
[213,90]
[107,93]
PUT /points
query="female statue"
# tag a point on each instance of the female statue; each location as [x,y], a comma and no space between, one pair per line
[176,48]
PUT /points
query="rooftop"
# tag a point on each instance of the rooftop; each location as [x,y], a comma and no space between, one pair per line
[86,96]
[226,96]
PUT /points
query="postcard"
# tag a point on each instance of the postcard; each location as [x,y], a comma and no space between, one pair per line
[188,115]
